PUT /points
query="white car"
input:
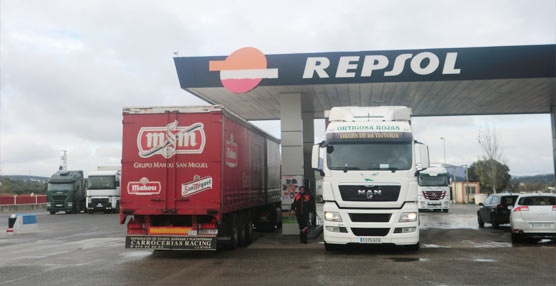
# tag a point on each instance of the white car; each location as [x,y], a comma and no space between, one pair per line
[534,216]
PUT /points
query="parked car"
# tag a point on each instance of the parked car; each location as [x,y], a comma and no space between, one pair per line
[534,216]
[496,209]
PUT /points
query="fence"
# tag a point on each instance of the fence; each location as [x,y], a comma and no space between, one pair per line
[22,200]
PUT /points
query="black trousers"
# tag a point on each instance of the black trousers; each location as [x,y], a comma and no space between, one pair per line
[303,221]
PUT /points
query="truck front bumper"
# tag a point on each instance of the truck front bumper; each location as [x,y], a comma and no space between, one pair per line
[393,231]
[434,205]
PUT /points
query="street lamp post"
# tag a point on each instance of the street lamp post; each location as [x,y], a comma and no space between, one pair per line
[444,142]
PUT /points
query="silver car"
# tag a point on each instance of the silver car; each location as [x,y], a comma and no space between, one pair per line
[534,216]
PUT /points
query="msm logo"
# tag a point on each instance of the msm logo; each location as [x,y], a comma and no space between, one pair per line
[171,139]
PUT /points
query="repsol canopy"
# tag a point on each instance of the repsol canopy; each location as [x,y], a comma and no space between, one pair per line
[455,81]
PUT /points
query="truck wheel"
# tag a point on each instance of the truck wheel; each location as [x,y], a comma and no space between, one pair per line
[445,210]
[69,212]
[117,209]
[331,247]
[52,212]
[413,247]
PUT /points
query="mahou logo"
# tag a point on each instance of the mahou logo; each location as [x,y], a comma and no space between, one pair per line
[231,152]
[170,140]
[144,187]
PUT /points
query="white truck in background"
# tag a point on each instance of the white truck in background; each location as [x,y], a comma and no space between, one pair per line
[103,189]
[370,163]
[434,189]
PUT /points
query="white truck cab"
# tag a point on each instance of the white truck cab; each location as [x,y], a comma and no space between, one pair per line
[103,190]
[434,189]
[369,162]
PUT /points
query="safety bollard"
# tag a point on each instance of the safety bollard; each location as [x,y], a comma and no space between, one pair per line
[11,223]
[22,223]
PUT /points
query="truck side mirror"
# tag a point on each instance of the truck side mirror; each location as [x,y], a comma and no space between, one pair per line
[315,157]
[117,183]
[423,156]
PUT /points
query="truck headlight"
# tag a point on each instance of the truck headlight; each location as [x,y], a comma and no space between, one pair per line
[70,204]
[332,216]
[408,217]
[47,204]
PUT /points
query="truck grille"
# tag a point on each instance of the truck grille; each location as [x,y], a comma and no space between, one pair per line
[370,217]
[59,197]
[369,193]
[370,231]
[94,202]
[434,195]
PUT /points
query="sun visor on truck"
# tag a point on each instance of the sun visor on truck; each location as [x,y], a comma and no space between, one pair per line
[369,137]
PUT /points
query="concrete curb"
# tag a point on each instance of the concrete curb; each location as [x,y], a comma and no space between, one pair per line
[28,207]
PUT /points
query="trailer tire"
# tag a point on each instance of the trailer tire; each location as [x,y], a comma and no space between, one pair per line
[249,228]
[233,231]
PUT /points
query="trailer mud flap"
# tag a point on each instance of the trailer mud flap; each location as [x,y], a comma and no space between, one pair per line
[170,242]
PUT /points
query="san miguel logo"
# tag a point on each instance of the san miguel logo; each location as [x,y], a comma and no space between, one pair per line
[196,186]
[231,152]
[143,187]
[171,139]
[243,70]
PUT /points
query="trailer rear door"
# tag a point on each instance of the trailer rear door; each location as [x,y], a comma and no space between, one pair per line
[171,162]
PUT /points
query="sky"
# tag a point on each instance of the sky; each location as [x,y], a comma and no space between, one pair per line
[67,68]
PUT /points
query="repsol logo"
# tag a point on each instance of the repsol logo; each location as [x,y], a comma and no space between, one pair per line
[423,63]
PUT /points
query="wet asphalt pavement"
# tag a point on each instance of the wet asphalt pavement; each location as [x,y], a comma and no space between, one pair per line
[84,249]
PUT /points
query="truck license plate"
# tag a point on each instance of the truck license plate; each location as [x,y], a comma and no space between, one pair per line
[369,240]
[541,225]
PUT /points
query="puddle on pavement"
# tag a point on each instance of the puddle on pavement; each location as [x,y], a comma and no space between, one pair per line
[136,254]
[435,246]
[484,260]
[404,259]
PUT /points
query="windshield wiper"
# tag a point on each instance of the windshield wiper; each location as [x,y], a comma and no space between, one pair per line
[393,169]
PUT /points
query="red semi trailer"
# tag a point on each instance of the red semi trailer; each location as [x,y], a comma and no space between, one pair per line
[196,178]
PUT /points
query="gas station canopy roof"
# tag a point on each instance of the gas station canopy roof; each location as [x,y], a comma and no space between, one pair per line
[433,82]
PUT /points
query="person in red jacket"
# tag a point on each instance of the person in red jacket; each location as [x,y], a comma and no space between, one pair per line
[303,205]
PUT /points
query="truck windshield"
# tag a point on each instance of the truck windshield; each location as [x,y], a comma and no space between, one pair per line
[425,180]
[60,187]
[375,156]
[101,182]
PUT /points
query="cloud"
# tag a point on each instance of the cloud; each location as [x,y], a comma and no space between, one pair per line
[68,68]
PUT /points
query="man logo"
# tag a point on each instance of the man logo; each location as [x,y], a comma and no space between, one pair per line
[369,193]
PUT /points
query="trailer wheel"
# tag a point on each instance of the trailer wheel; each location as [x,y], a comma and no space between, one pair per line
[234,236]
[233,230]
[242,229]
[249,228]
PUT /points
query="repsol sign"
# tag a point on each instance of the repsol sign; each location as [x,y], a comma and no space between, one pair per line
[423,63]
[246,69]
